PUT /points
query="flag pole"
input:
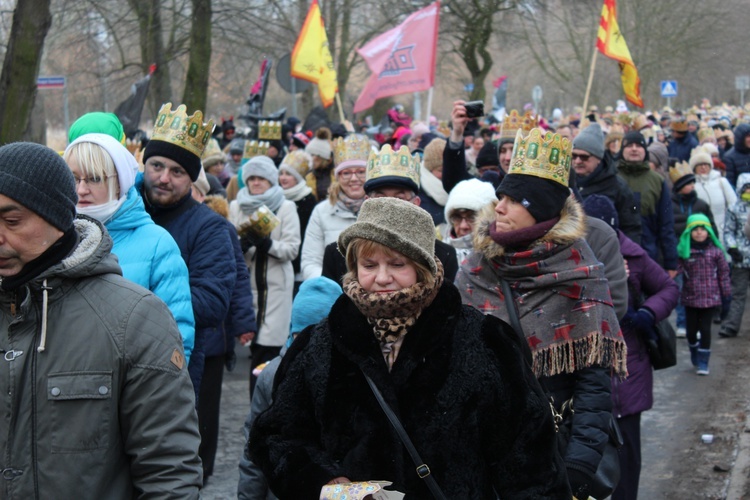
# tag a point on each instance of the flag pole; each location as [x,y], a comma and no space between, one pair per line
[591,79]
[429,105]
[341,108]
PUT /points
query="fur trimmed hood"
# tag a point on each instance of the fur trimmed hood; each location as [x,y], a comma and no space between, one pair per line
[218,204]
[570,227]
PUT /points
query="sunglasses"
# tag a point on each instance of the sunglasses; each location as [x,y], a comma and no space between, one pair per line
[576,156]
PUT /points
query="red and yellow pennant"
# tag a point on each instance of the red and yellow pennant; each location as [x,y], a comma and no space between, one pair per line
[311,57]
[611,43]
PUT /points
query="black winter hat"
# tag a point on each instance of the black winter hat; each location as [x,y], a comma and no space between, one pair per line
[682,182]
[187,160]
[543,198]
[634,137]
[601,207]
[488,156]
[39,179]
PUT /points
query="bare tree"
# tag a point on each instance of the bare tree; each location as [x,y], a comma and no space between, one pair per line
[31,21]
[196,83]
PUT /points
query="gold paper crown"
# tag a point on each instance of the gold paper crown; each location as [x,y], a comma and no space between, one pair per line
[269,130]
[175,127]
[212,154]
[706,133]
[615,133]
[351,151]
[514,122]
[299,161]
[261,223]
[389,163]
[542,154]
[679,124]
[679,171]
[255,148]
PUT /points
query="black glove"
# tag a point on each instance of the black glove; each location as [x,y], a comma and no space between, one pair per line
[249,239]
[230,360]
[579,483]
[736,255]
[263,245]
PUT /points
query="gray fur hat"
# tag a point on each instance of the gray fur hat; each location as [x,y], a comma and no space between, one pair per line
[261,166]
[397,224]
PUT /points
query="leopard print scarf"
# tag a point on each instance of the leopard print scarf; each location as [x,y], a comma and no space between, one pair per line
[393,314]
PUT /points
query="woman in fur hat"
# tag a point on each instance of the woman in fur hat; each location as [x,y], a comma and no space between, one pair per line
[269,258]
[321,176]
[449,372]
[533,240]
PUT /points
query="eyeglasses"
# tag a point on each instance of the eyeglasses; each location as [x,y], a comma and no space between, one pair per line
[92,181]
[348,174]
[458,218]
[576,156]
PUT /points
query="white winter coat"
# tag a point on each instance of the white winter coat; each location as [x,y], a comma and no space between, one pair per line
[718,193]
[326,223]
[273,330]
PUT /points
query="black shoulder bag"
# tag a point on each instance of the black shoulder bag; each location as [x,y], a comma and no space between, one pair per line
[423,471]
[607,475]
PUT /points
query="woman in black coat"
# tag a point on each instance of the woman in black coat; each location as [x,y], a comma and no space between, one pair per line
[459,381]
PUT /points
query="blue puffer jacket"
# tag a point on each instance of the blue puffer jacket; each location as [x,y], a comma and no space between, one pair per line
[681,148]
[737,159]
[635,393]
[150,257]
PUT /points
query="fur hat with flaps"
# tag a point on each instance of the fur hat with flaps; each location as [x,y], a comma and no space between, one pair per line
[696,220]
[396,224]
[539,173]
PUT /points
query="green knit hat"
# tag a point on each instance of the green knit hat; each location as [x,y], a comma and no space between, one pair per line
[97,123]
[695,220]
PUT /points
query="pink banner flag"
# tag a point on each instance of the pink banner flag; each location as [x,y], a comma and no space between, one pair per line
[401,60]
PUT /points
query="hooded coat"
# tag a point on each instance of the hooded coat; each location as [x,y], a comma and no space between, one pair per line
[588,386]
[681,148]
[737,217]
[106,410]
[737,159]
[458,374]
[156,266]
[718,193]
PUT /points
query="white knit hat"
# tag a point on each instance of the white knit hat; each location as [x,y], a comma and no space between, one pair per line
[469,195]
[700,156]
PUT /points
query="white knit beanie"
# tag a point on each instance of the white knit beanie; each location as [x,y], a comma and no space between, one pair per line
[469,195]
[699,156]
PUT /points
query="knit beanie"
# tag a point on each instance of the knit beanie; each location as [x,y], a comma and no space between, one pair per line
[301,140]
[201,183]
[297,163]
[313,302]
[212,154]
[433,154]
[260,166]
[699,156]
[695,220]
[320,145]
[237,146]
[39,179]
[543,198]
[472,194]
[97,123]
[634,137]
[591,140]
[396,224]
[601,207]
[187,160]
[658,153]
[419,128]
[488,156]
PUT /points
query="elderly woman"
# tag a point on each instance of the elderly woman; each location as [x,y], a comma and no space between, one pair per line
[464,203]
[711,187]
[105,182]
[449,372]
[533,241]
[268,257]
[339,211]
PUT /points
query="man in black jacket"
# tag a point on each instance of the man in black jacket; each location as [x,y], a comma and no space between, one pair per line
[596,174]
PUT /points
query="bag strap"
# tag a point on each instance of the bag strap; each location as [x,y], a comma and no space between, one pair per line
[423,471]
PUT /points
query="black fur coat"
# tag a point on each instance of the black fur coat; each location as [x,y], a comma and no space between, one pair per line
[462,387]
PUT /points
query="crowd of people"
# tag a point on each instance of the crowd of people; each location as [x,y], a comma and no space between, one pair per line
[475,281]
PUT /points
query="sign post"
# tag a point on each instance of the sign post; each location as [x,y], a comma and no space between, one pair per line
[56,82]
[669,90]
[536,96]
[742,83]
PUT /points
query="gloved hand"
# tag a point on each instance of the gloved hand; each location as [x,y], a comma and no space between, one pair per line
[736,255]
[579,483]
[250,239]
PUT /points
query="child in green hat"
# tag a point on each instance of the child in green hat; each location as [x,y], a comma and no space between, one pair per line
[705,283]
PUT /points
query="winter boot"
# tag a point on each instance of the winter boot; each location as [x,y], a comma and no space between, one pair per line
[694,354]
[703,355]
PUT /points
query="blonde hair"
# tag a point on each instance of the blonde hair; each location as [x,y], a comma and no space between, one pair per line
[362,248]
[94,161]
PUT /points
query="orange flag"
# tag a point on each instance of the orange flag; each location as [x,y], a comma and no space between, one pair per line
[311,57]
[611,43]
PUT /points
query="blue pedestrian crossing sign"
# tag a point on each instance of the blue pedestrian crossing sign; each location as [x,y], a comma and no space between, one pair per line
[669,88]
